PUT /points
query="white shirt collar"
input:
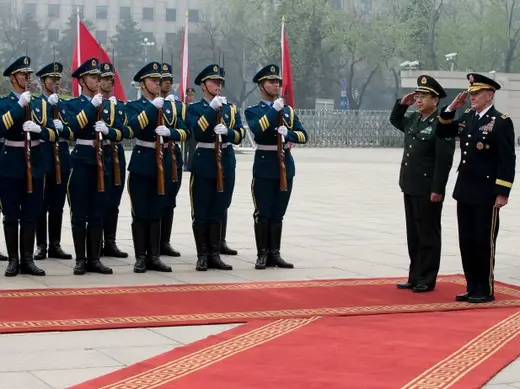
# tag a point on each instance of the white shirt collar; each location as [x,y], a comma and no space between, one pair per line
[480,114]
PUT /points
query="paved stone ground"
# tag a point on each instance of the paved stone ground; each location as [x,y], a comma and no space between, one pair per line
[345,219]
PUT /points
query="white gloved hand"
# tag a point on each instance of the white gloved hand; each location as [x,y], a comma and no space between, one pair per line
[162,131]
[171,98]
[53,99]
[25,98]
[158,102]
[30,126]
[97,100]
[221,129]
[216,103]
[58,124]
[101,127]
[278,104]
[113,99]
[282,130]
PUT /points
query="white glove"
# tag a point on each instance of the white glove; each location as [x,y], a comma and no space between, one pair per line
[113,99]
[163,131]
[216,103]
[53,99]
[221,129]
[101,127]
[282,130]
[30,126]
[97,100]
[278,104]
[158,102]
[58,124]
[25,98]
[170,98]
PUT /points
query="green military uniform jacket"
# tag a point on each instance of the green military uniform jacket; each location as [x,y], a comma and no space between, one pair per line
[427,159]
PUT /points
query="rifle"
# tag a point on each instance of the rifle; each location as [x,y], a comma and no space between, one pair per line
[218,148]
[55,115]
[281,155]
[159,155]
[171,148]
[27,138]
[113,145]
[98,144]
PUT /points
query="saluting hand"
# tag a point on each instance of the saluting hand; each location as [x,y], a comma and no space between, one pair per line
[408,99]
[501,201]
[459,101]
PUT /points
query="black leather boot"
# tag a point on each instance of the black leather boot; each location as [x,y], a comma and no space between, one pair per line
[27,266]
[110,248]
[224,248]
[275,241]
[79,237]
[11,241]
[41,237]
[154,238]
[261,237]
[214,260]
[94,265]
[55,225]
[201,242]
[139,239]
[166,232]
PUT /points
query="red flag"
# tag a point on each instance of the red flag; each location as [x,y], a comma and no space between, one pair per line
[183,85]
[88,47]
[287,80]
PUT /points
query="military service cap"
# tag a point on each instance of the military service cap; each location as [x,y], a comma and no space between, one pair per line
[106,69]
[150,70]
[479,82]
[51,70]
[190,90]
[430,85]
[22,64]
[166,71]
[270,72]
[210,72]
[90,66]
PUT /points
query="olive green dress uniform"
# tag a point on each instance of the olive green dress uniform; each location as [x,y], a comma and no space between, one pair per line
[486,170]
[425,168]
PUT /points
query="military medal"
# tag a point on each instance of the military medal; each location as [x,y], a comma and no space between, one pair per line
[480,146]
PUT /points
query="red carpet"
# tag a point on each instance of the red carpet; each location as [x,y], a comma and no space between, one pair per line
[148,306]
[429,350]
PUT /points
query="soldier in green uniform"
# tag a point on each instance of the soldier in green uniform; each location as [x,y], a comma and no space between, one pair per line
[485,178]
[425,168]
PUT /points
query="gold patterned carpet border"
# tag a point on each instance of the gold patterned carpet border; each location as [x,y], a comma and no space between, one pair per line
[449,371]
[236,317]
[188,364]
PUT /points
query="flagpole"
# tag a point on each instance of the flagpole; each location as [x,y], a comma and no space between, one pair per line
[78,45]
[282,48]
[184,75]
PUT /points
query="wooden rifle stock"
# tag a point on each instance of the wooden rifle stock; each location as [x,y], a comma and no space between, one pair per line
[171,149]
[159,156]
[115,163]
[281,157]
[27,149]
[98,146]
[218,157]
[56,149]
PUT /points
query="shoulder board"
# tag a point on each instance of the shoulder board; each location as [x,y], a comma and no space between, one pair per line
[468,110]
[504,116]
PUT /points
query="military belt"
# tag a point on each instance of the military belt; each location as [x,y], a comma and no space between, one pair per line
[207,145]
[270,147]
[150,145]
[21,143]
[1,140]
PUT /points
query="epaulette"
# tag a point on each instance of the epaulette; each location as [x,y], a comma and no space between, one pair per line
[468,110]
[504,116]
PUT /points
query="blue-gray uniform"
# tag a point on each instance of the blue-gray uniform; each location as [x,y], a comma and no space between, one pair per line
[269,201]
[87,204]
[114,113]
[22,115]
[54,193]
[2,256]
[207,204]
[147,204]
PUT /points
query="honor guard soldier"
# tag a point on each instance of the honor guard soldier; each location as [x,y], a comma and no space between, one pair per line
[115,117]
[425,169]
[485,178]
[154,123]
[173,186]
[57,160]
[213,120]
[89,177]
[269,120]
[24,123]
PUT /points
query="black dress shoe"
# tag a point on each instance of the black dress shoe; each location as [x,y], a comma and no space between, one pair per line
[462,297]
[480,299]
[422,288]
[404,285]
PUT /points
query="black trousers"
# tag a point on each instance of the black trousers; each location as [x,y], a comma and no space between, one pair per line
[478,231]
[423,232]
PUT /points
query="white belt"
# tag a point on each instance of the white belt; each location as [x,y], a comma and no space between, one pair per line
[150,145]
[205,145]
[270,147]
[21,143]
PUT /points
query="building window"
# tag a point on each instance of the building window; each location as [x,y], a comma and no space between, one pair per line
[149,36]
[101,37]
[29,9]
[53,35]
[170,38]
[102,12]
[148,14]
[54,10]
[193,15]
[125,12]
[171,15]
[336,4]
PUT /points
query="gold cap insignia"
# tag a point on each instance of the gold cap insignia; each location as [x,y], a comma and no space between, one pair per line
[107,66]
[471,78]
[424,80]
[480,146]
[154,66]
[215,68]
[272,69]
[26,61]
[164,67]
[94,63]
[56,67]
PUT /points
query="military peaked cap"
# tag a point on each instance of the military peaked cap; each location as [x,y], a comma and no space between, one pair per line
[166,71]
[106,69]
[51,70]
[22,64]
[150,70]
[479,82]
[90,66]
[270,72]
[210,72]
[430,85]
